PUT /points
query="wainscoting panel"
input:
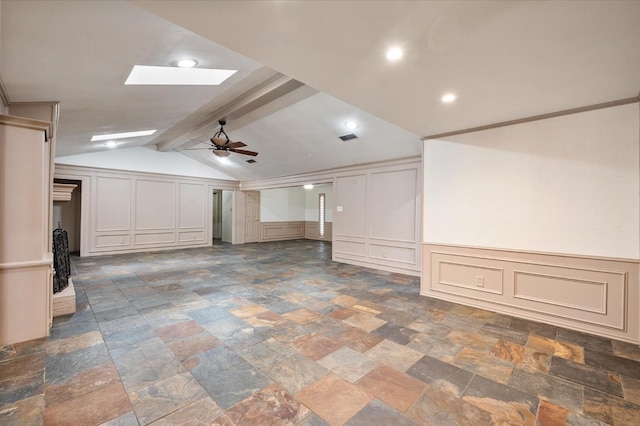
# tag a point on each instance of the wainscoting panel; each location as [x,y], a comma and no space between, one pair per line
[349,249]
[134,211]
[392,205]
[191,202]
[393,253]
[155,205]
[376,217]
[113,240]
[185,237]
[596,295]
[154,238]
[350,206]
[277,231]
[457,275]
[113,204]
[25,284]
[312,231]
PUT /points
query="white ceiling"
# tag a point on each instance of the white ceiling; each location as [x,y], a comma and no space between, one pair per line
[505,60]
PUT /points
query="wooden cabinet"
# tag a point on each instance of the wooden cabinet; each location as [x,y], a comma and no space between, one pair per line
[25,229]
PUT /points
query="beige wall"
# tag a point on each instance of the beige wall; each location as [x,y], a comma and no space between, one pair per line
[25,242]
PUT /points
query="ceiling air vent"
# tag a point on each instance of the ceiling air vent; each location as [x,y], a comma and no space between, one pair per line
[251,161]
[348,137]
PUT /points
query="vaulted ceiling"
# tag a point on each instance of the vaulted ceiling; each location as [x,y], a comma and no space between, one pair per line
[304,68]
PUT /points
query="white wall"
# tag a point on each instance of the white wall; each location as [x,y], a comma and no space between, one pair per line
[294,204]
[282,204]
[311,203]
[140,159]
[227,215]
[568,184]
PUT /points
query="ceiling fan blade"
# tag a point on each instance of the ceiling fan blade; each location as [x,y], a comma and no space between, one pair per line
[194,149]
[236,144]
[243,151]
[219,141]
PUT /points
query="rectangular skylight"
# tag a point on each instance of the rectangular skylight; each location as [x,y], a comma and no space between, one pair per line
[122,135]
[149,75]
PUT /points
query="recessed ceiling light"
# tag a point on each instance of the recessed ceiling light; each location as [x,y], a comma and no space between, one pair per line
[187,63]
[394,54]
[173,76]
[448,98]
[308,186]
[122,135]
[111,144]
[351,125]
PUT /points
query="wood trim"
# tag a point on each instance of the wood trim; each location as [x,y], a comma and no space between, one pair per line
[63,191]
[603,105]
[47,261]
[311,231]
[517,253]
[27,123]
[279,231]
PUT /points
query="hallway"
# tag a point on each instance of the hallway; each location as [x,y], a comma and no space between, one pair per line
[277,333]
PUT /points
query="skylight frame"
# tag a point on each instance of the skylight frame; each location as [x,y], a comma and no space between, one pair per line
[147,75]
[124,135]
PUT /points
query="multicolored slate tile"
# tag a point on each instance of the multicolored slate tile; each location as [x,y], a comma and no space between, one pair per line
[277,333]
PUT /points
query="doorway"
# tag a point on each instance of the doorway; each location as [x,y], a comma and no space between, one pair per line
[252,217]
[222,203]
[67,215]
[217,216]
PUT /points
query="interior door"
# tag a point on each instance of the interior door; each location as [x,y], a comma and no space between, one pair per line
[252,217]
[217,215]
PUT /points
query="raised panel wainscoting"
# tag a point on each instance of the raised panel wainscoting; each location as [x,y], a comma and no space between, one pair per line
[136,211]
[312,231]
[376,220]
[593,294]
[278,231]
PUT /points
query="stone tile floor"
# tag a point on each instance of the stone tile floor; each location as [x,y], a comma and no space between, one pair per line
[276,334]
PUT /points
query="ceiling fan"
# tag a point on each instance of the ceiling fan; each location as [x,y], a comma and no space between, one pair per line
[222,146]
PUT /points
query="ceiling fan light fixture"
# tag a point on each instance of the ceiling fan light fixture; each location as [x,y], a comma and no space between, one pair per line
[187,63]
[221,153]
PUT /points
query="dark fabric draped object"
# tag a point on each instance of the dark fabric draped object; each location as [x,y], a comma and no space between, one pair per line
[61,263]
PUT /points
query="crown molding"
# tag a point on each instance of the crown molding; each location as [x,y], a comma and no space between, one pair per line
[603,105]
